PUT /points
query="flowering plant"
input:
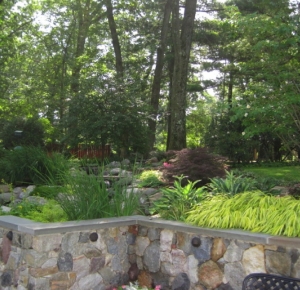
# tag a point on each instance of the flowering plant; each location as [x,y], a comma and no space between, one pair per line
[135,286]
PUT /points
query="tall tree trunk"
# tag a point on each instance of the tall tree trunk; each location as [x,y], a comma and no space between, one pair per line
[119,66]
[83,27]
[115,39]
[171,70]
[230,89]
[155,93]
[83,14]
[182,46]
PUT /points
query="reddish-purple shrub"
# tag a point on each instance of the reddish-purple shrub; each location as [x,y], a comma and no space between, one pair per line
[195,164]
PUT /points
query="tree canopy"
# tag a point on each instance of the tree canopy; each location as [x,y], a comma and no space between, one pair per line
[135,74]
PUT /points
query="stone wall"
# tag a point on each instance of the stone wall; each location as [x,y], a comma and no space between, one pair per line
[101,254]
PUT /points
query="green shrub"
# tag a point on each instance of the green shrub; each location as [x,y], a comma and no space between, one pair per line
[31,165]
[49,212]
[267,184]
[254,211]
[32,133]
[178,200]
[86,197]
[231,184]
[196,164]
[150,178]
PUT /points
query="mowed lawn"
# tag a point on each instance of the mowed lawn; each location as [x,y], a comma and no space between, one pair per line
[285,173]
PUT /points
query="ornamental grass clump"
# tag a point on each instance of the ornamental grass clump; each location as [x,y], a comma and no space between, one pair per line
[254,211]
[87,197]
[32,165]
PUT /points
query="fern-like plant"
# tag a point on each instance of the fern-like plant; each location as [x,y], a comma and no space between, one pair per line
[178,200]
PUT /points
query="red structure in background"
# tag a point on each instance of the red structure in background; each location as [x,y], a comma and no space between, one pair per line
[90,151]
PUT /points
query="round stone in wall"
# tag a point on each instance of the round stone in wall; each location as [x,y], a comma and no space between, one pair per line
[196,242]
[9,235]
[93,237]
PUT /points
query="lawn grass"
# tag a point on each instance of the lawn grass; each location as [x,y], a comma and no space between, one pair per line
[288,174]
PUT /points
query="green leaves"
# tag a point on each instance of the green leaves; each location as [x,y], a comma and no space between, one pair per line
[231,185]
[176,201]
[253,211]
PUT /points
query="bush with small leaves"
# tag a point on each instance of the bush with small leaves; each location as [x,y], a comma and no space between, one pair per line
[32,133]
[150,178]
[196,164]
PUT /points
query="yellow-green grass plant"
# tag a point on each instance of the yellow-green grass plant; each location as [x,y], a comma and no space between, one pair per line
[253,211]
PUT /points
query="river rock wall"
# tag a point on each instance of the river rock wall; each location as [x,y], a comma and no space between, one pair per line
[106,253]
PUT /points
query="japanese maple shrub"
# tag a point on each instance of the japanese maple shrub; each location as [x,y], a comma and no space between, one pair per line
[195,164]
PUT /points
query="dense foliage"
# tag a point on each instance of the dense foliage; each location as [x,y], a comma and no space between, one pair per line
[32,165]
[254,211]
[195,164]
[134,74]
[23,132]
